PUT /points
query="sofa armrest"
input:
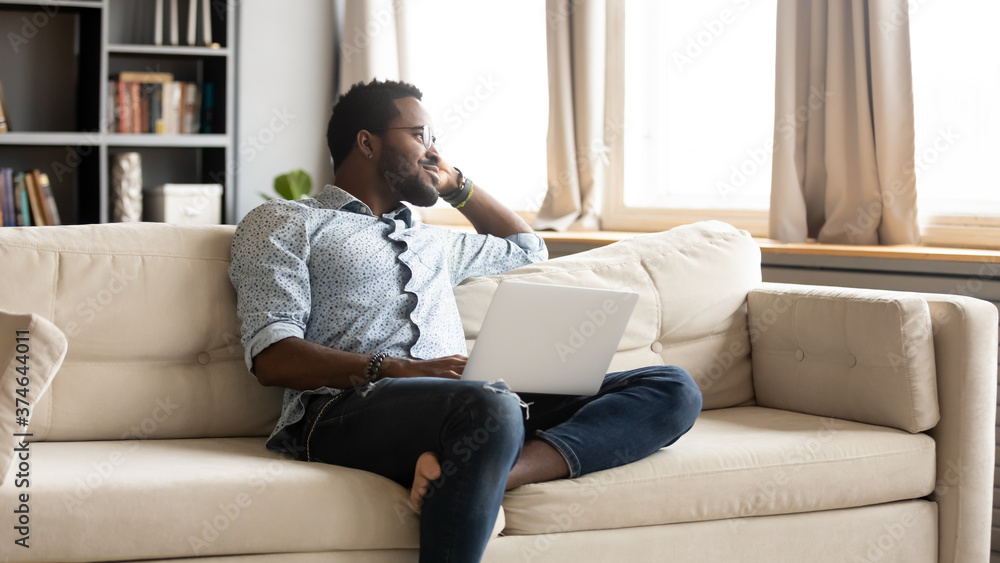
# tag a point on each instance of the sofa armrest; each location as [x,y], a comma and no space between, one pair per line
[855,354]
[963,353]
[965,348]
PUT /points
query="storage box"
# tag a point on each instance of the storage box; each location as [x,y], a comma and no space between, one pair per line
[184,204]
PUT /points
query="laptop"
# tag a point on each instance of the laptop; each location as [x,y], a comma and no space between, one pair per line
[542,338]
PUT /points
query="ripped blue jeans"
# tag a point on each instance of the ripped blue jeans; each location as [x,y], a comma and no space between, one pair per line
[477,431]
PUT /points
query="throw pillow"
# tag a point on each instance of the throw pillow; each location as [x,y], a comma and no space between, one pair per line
[31,351]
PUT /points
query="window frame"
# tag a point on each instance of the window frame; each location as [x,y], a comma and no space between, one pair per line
[615,215]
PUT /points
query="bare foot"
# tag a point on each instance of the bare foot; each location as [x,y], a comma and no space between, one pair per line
[426,471]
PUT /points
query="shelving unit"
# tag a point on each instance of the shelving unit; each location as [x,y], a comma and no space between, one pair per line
[55,85]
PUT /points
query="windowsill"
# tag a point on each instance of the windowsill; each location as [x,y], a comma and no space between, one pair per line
[562,243]
[771,247]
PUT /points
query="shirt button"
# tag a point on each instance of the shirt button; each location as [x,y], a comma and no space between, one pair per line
[204,358]
[852,360]
[800,355]
[656,347]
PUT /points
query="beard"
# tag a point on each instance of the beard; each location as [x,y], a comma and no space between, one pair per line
[404,179]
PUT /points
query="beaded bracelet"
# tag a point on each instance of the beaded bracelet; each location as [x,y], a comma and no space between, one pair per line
[374,370]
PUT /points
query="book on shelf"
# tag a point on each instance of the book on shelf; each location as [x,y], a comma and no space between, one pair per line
[26,199]
[207,108]
[153,102]
[174,31]
[3,112]
[206,25]
[192,21]
[46,199]
[34,200]
[22,211]
[158,22]
[145,77]
[7,197]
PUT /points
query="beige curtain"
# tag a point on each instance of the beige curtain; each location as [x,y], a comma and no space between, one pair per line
[372,36]
[575,33]
[843,152]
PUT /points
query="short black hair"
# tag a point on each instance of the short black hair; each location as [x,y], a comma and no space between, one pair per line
[365,106]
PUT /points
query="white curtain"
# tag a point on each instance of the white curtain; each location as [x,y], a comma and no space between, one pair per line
[576,38]
[843,154]
[372,41]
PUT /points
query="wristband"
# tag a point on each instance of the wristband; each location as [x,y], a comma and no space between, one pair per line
[461,195]
[472,188]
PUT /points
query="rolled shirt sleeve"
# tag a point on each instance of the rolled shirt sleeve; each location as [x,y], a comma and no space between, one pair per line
[270,273]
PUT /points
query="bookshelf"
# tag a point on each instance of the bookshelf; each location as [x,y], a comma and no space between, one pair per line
[55,74]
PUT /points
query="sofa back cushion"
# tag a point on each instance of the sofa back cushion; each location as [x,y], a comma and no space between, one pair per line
[150,318]
[692,283]
[858,354]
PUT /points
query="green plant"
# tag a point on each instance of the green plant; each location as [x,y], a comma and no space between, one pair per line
[293,185]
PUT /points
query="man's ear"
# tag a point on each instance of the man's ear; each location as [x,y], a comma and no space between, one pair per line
[366,143]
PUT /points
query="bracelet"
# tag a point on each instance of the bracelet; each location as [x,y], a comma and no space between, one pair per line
[374,370]
[472,188]
[462,193]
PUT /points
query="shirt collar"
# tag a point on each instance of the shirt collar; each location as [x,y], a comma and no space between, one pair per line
[333,197]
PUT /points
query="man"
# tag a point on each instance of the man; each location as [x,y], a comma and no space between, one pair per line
[346,302]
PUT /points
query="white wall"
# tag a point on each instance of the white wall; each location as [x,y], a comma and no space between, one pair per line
[285,83]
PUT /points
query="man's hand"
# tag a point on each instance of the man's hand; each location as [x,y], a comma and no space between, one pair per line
[449,367]
[485,213]
[447,177]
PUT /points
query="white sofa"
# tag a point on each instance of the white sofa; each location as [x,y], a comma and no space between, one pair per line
[839,425]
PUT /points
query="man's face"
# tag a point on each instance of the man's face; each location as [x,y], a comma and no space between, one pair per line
[408,168]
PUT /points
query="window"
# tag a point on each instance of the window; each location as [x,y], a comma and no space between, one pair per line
[696,112]
[482,69]
[956,82]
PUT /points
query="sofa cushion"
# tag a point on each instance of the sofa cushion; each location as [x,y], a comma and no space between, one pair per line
[734,463]
[692,283]
[858,354]
[29,358]
[136,499]
[150,317]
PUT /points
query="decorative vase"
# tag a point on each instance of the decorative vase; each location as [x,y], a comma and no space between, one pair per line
[126,187]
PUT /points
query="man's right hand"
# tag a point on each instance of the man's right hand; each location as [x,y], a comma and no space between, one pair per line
[449,367]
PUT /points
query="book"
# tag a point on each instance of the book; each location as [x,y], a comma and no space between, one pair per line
[135,111]
[36,181]
[22,212]
[49,200]
[174,32]
[112,109]
[9,208]
[171,108]
[34,200]
[206,23]
[192,108]
[3,198]
[180,108]
[3,112]
[145,77]
[124,106]
[207,107]
[158,29]
[156,109]
[192,21]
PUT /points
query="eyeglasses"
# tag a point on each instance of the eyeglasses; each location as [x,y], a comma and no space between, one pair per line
[425,133]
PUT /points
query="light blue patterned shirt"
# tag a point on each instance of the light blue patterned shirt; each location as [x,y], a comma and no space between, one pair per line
[329,271]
